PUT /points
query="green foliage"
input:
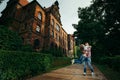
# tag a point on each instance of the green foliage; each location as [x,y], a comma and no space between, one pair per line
[27,48]
[109,12]
[1,1]
[61,61]
[9,40]
[78,52]
[57,52]
[99,25]
[112,62]
[18,65]
[89,28]
[109,73]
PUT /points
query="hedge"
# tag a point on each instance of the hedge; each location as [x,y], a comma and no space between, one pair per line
[112,62]
[19,65]
[61,61]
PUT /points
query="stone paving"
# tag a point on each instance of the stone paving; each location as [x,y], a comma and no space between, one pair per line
[72,72]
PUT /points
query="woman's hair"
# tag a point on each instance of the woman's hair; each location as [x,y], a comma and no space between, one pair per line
[82,47]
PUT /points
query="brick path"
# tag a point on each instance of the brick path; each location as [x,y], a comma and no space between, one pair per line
[72,72]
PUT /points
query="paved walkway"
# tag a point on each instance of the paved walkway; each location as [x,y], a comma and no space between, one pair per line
[72,72]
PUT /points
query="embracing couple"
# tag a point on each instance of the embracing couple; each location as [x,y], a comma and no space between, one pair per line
[85,58]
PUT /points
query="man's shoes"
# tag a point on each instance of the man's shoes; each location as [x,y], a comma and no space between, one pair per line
[84,74]
[92,73]
[72,61]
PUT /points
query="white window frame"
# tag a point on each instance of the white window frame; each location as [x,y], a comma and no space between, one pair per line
[57,27]
[38,28]
[40,15]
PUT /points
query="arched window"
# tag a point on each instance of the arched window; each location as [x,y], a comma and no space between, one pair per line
[38,28]
[52,34]
[22,39]
[52,22]
[57,27]
[40,15]
[36,44]
[51,45]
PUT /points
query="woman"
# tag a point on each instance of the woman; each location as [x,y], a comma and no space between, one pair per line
[81,58]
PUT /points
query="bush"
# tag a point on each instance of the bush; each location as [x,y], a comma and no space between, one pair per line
[9,40]
[57,52]
[112,62]
[27,48]
[61,61]
[18,65]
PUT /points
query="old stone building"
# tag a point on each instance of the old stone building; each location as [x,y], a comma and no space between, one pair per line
[38,26]
[71,42]
[55,35]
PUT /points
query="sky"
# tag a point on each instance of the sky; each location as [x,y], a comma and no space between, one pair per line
[68,11]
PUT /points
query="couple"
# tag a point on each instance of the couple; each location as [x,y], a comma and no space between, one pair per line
[85,58]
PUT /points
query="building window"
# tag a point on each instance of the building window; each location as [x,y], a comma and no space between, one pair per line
[52,22]
[58,38]
[52,45]
[40,16]
[38,29]
[36,44]
[52,34]
[23,40]
[57,27]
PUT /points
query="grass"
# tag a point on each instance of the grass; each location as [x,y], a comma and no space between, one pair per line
[109,73]
[58,67]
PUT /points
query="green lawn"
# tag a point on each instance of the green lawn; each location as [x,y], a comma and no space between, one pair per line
[109,73]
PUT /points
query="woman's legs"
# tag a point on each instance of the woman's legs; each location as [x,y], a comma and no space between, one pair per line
[87,62]
[85,65]
[90,66]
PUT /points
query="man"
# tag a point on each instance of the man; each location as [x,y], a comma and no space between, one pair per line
[87,58]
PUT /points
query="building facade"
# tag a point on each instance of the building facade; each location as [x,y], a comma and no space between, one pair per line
[71,45]
[38,26]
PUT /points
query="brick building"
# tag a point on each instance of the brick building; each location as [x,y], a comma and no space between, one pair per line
[38,26]
[71,42]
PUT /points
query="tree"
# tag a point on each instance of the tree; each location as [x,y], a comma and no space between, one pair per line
[1,1]
[110,11]
[89,28]
[100,24]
